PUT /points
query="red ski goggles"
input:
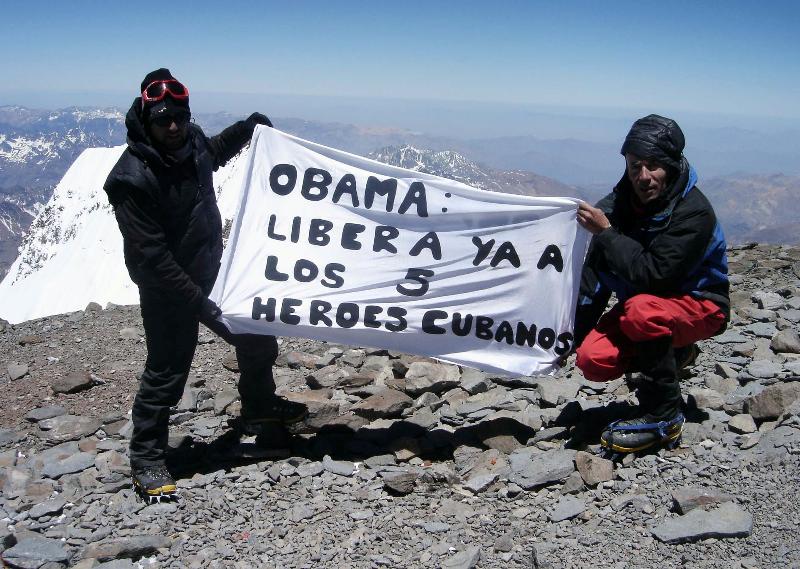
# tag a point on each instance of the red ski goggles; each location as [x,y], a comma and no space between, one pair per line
[157,90]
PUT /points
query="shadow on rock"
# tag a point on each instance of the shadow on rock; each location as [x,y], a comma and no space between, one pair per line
[342,443]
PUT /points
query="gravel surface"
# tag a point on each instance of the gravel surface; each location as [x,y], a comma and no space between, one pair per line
[405,461]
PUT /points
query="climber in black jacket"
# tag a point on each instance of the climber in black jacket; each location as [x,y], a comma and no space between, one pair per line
[659,248]
[162,193]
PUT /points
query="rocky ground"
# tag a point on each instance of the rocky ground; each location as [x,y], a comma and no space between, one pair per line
[405,462]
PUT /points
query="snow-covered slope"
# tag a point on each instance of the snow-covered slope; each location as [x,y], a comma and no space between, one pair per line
[72,254]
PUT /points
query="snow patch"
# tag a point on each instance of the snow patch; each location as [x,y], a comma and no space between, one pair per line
[73,255]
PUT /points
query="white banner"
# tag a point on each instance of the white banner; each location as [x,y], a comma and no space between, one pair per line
[332,246]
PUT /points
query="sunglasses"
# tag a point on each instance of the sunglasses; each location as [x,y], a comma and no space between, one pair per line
[165,121]
[157,90]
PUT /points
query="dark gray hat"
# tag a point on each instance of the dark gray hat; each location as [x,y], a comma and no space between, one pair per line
[657,138]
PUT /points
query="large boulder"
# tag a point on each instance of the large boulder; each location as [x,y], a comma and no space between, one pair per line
[773,402]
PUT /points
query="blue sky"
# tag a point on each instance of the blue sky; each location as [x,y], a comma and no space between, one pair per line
[740,58]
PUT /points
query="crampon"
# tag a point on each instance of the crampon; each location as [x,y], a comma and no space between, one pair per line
[154,484]
[634,435]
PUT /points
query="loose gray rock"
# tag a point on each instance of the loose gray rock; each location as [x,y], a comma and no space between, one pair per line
[301,512]
[400,482]
[730,337]
[466,559]
[768,300]
[773,401]
[7,538]
[425,418]
[430,376]
[725,370]
[593,469]
[549,434]
[42,413]
[762,329]
[386,404]
[573,484]
[504,543]
[479,482]
[567,508]
[47,508]
[729,520]
[436,527]
[687,498]
[764,369]
[230,362]
[131,334]
[131,547]
[297,360]
[8,436]
[72,383]
[340,467]
[75,463]
[498,398]
[69,427]
[322,410]
[428,399]
[223,400]
[742,423]
[115,564]
[706,398]
[474,381]
[530,468]
[786,342]
[793,368]
[17,371]
[638,502]
[34,552]
[326,377]
[556,390]
[309,469]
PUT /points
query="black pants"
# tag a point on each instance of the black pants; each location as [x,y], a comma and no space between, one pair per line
[171,335]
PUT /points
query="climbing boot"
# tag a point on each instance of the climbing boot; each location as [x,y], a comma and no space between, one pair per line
[634,435]
[659,421]
[153,483]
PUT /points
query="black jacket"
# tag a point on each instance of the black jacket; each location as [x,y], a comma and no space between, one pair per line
[167,212]
[675,247]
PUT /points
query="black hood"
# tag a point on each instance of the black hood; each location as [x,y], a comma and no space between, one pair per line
[138,140]
[657,138]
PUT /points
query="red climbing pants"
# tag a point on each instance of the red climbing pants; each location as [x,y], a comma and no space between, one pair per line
[608,349]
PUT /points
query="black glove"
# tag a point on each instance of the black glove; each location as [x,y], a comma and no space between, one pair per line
[258,118]
[209,310]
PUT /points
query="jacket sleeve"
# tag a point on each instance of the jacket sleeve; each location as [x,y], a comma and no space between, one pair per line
[230,141]
[662,266]
[147,255]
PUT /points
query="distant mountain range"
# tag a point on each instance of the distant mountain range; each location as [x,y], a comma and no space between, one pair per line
[450,164]
[37,147]
[757,208]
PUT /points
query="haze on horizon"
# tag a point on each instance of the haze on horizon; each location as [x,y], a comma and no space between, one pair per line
[417,64]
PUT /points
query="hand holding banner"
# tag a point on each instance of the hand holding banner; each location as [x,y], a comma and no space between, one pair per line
[332,246]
